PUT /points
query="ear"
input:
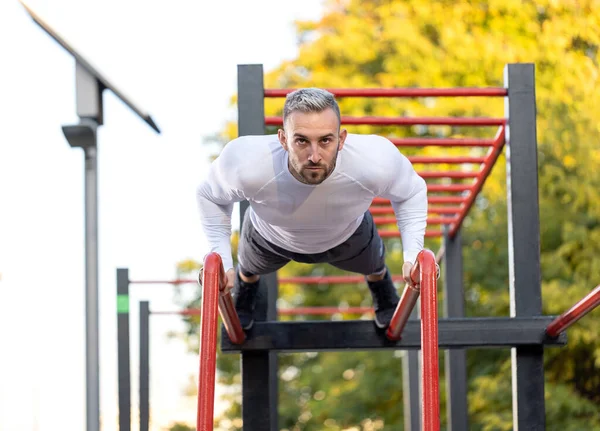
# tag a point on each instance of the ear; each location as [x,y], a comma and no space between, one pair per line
[282,139]
[343,136]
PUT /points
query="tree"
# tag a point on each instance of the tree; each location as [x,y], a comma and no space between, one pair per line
[419,43]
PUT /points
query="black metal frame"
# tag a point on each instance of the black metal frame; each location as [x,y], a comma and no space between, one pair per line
[523,331]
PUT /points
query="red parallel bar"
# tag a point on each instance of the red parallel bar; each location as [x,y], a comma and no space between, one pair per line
[450,160]
[406,305]
[430,220]
[409,121]
[447,174]
[441,142]
[430,199]
[449,187]
[212,279]
[432,210]
[396,234]
[491,158]
[583,307]
[329,279]
[401,92]
[429,342]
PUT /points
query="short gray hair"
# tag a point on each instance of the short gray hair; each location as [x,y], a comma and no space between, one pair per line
[310,100]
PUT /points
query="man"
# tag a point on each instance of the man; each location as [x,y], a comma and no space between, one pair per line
[309,190]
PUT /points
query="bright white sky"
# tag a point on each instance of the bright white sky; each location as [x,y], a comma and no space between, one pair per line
[177,60]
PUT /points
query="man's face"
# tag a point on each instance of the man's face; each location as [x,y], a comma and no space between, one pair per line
[312,140]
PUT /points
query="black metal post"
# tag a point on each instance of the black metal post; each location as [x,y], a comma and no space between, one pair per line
[123,355]
[144,365]
[524,242]
[259,404]
[455,359]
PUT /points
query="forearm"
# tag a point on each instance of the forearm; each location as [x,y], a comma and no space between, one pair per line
[411,218]
[216,224]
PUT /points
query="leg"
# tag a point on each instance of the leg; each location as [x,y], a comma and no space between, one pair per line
[368,258]
[255,256]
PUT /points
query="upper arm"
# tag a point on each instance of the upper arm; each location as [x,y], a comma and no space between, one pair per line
[400,181]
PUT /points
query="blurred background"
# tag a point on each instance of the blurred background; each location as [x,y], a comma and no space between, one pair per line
[178,61]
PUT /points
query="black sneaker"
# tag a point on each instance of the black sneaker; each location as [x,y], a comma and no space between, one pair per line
[244,297]
[385,299]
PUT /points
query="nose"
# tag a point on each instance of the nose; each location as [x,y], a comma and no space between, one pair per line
[315,156]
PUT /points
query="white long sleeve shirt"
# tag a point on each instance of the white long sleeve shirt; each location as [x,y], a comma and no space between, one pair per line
[305,218]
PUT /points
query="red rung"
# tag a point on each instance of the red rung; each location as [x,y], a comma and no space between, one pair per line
[430,199]
[449,187]
[396,234]
[449,160]
[401,92]
[446,199]
[174,282]
[442,142]
[431,210]
[430,220]
[583,307]
[408,121]
[444,210]
[448,174]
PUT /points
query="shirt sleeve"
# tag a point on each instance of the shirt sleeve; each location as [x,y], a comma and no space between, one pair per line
[215,197]
[407,192]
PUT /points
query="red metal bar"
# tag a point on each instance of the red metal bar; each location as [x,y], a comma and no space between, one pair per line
[442,142]
[448,174]
[430,199]
[446,199]
[174,282]
[491,158]
[402,92]
[569,317]
[431,210]
[396,234]
[429,342]
[409,121]
[450,160]
[444,210]
[449,187]
[212,279]
[430,220]
[409,298]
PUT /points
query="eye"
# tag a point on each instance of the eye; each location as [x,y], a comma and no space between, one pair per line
[301,141]
[326,141]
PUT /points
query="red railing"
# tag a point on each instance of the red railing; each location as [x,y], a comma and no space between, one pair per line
[424,277]
[213,298]
[569,317]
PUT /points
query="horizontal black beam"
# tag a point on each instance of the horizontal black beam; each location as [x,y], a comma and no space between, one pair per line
[310,336]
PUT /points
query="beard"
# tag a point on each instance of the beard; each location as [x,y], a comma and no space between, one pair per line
[312,173]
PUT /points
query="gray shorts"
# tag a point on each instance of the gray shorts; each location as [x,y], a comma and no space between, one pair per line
[363,252]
